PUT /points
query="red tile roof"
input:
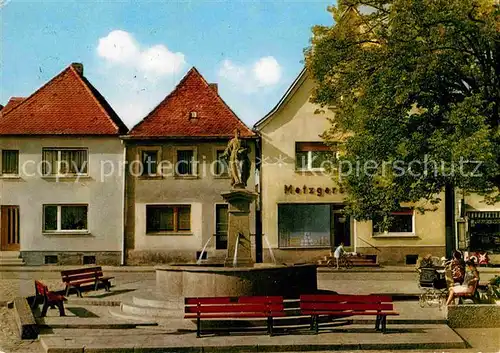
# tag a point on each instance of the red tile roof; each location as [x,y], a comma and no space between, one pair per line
[171,118]
[12,103]
[66,105]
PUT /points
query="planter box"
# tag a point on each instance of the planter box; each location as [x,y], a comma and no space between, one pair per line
[474,315]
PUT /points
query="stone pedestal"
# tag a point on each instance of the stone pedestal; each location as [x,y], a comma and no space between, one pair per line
[239,246]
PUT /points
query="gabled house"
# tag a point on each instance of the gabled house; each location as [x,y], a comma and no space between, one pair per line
[302,206]
[176,174]
[61,184]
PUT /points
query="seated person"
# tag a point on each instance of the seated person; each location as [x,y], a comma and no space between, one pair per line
[457,268]
[471,280]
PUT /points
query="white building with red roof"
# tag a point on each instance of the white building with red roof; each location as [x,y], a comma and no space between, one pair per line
[176,175]
[61,179]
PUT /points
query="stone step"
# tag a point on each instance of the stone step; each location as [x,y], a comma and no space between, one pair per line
[10,254]
[348,337]
[150,300]
[131,308]
[11,262]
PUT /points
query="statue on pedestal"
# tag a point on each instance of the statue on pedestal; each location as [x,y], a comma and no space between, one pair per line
[238,161]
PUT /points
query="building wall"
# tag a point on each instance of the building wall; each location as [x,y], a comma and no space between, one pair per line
[101,190]
[202,193]
[294,122]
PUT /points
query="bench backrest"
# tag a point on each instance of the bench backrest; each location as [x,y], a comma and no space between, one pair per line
[81,273]
[258,304]
[41,289]
[330,302]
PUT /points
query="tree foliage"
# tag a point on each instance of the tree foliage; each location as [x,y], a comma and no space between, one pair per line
[415,87]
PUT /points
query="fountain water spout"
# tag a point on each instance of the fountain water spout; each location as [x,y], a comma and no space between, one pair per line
[198,262]
[235,257]
[270,249]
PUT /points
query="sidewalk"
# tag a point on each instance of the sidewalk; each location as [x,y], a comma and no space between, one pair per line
[149,268]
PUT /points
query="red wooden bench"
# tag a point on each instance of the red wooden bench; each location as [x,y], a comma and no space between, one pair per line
[234,308]
[48,298]
[83,276]
[317,305]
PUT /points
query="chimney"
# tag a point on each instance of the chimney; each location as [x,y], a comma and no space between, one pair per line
[214,87]
[78,67]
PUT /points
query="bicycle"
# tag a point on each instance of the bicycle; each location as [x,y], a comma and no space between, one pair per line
[344,262]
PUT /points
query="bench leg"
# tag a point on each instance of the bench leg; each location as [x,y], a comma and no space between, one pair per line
[67,290]
[44,308]
[270,326]
[60,305]
[377,323]
[96,285]
[316,323]
[198,327]
[34,304]
[384,324]
[312,322]
[79,292]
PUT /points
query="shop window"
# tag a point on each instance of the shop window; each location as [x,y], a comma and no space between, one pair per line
[400,222]
[484,230]
[312,156]
[61,218]
[168,218]
[304,225]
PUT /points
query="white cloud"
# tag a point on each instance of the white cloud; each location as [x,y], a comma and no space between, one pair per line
[119,48]
[265,72]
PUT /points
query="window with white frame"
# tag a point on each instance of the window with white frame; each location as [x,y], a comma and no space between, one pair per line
[10,162]
[185,161]
[64,161]
[60,218]
[401,221]
[311,155]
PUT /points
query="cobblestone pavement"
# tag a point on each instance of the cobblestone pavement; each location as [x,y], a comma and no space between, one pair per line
[14,284]
[9,342]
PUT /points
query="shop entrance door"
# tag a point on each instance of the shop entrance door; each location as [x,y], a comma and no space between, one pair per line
[9,228]
[341,229]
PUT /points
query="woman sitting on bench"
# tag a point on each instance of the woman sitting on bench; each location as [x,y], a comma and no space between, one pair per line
[469,285]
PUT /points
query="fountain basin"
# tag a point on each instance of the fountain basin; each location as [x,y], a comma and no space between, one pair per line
[185,280]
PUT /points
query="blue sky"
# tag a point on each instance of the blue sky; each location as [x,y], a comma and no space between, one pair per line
[135,52]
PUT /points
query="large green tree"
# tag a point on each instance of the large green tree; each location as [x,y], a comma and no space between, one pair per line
[415,88]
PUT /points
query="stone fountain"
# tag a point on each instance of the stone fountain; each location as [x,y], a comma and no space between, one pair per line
[238,275]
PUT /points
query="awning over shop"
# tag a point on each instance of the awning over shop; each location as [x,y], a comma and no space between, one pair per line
[484,217]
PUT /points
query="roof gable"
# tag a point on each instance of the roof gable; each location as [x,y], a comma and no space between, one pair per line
[171,118]
[66,105]
[12,103]
[290,92]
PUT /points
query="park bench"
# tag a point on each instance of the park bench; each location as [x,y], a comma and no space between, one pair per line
[84,276]
[48,298]
[317,305]
[472,295]
[234,308]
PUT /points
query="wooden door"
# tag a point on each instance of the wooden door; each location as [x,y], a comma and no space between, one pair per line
[9,228]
